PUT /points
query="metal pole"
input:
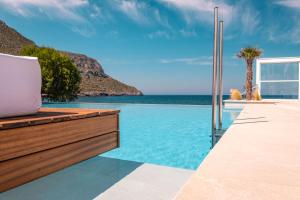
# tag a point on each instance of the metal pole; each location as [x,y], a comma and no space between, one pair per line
[214,78]
[220,111]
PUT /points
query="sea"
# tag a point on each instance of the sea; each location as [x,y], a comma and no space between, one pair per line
[152,99]
[164,99]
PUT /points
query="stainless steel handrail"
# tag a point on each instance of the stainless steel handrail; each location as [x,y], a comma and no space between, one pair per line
[214,77]
[220,87]
[217,78]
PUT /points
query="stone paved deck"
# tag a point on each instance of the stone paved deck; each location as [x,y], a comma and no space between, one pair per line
[148,182]
[104,178]
[257,158]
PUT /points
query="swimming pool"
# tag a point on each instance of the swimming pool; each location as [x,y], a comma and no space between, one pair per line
[169,135]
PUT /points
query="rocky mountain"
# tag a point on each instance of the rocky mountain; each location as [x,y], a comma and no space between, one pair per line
[94,82]
[11,41]
[88,67]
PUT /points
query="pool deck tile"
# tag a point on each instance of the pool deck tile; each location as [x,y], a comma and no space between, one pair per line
[257,158]
[104,178]
[148,182]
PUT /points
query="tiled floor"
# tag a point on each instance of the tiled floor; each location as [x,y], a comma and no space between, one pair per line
[257,158]
[116,179]
[148,182]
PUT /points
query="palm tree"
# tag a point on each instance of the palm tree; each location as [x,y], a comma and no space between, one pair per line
[249,54]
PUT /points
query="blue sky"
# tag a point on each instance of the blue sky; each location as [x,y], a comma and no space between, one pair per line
[160,46]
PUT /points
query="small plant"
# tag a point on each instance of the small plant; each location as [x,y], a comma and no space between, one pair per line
[235,94]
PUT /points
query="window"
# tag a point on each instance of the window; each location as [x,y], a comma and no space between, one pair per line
[278,78]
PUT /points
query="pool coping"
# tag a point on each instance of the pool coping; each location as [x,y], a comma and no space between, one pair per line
[257,158]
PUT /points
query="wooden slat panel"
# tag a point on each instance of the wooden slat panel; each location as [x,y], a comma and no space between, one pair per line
[23,169]
[118,128]
[22,141]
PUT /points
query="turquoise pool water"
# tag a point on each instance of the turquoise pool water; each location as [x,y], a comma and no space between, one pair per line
[170,135]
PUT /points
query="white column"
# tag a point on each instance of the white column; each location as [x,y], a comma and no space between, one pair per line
[299,81]
[258,74]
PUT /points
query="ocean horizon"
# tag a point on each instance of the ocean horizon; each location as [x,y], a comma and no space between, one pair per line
[152,99]
[161,99]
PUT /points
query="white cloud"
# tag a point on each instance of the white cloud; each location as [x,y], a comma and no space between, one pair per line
[133,9]
[162,20]
[249,18]
[85,31]
[201,10]
[201,61]
[295,34]
[171,34]
[66,9]
[289,3]
[289,35]
[160,34]
[288,32]
[240,17]
[96,11]
[141,12]
[205,60]
[188,33]
[112,34]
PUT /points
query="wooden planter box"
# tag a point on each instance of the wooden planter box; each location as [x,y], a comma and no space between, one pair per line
[37,145]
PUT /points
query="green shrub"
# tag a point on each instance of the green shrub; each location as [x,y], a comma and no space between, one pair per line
[60,77]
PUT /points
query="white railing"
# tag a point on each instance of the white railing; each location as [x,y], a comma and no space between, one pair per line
[288,60]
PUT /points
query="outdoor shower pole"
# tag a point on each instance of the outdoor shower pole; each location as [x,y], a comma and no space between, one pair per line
[220,87]
[214,77]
